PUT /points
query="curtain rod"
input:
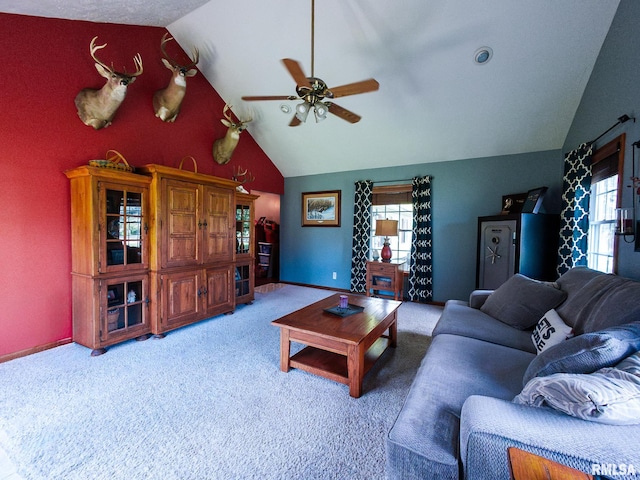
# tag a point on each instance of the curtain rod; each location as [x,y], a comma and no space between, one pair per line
[393,181]
[401,179]
[622,119]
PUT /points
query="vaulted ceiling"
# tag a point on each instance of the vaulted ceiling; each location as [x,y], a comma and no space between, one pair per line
[434,103]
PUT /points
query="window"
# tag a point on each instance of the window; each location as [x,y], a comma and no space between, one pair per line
[394,202]
[606,171]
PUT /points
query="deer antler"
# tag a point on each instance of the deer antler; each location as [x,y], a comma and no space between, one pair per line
[248,176]
[225,113]
[138,62]
[194,51]
[93,48]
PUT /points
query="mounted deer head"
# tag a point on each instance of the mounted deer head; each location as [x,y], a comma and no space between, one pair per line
[242,176]
[97,108]
[166,102]
[223,147]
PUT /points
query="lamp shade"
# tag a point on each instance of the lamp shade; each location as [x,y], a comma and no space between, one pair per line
[302,110]
[386,228]
[320,111]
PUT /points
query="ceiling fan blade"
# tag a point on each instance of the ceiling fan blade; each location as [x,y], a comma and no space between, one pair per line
[343,113]
[268,97]
[364,86]
[295,121]
[296,72]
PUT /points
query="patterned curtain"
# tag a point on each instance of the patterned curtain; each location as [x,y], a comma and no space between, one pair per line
[421,272]
[361,235]
[574,218]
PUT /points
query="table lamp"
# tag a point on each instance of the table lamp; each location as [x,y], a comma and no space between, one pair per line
[386,228]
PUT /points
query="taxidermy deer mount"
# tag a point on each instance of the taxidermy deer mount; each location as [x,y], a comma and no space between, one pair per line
[223,147]
[167,101]
[97,108]
[242,176]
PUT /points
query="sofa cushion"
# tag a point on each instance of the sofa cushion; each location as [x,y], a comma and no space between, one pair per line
[609,395]
[575,278]
[424,440]
[549,331]
[458,318]
[587,353]
[521,301]
[604,301]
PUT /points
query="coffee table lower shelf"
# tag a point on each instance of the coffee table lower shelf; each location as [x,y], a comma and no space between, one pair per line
[334,365]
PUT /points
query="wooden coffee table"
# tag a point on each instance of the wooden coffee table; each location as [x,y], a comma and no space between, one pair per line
[342,349]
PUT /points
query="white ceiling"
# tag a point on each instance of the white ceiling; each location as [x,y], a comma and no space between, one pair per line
[434,102]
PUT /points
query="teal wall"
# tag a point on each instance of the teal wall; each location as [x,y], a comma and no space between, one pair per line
[461,192]
[614,90]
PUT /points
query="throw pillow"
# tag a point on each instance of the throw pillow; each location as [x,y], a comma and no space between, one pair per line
[604,301]
[586,353]
[550,331]
[521,301]
[610,395]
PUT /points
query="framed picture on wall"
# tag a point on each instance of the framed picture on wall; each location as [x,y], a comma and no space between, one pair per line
[321,209]
[534,200]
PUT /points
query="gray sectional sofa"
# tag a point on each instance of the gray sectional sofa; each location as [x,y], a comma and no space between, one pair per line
[460,417]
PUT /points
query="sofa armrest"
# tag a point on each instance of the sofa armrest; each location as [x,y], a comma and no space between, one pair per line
[488,426]
[478,297]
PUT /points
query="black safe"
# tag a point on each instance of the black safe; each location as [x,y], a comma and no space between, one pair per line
[525,243]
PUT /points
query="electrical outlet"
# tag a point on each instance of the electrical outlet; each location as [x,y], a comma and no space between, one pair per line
[335,275]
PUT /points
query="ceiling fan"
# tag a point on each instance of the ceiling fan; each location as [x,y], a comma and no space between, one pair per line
[314,92]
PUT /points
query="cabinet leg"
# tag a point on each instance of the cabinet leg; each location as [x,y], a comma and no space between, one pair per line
[144,337]
[96,352]
[160,335]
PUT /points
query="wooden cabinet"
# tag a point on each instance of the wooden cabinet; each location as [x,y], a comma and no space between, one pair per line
[155,250]
[195,225]
[245,247]
[109,257]
[385,277]
[187,296]
[192,235]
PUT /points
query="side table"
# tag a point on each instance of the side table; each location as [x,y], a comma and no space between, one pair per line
[385,277]
[528,466]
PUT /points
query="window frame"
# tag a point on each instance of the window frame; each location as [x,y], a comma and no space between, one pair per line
[383,195]
[613,153]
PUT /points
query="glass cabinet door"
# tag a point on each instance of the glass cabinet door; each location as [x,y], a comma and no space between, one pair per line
[123,239]
[243,229]
[125,304]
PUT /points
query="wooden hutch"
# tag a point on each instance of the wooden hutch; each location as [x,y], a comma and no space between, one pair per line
[156,250]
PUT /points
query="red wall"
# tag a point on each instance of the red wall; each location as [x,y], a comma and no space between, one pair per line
[45,63]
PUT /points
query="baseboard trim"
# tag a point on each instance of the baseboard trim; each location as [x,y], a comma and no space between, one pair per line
[316,286]
[32,350]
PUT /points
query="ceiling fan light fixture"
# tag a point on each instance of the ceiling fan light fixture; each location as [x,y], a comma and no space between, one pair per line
[320,111]
[302,111]
[313,90]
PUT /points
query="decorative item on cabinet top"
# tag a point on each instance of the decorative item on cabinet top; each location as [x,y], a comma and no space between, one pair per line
[114,160]
[243,177]
[167,101]
[96,108]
